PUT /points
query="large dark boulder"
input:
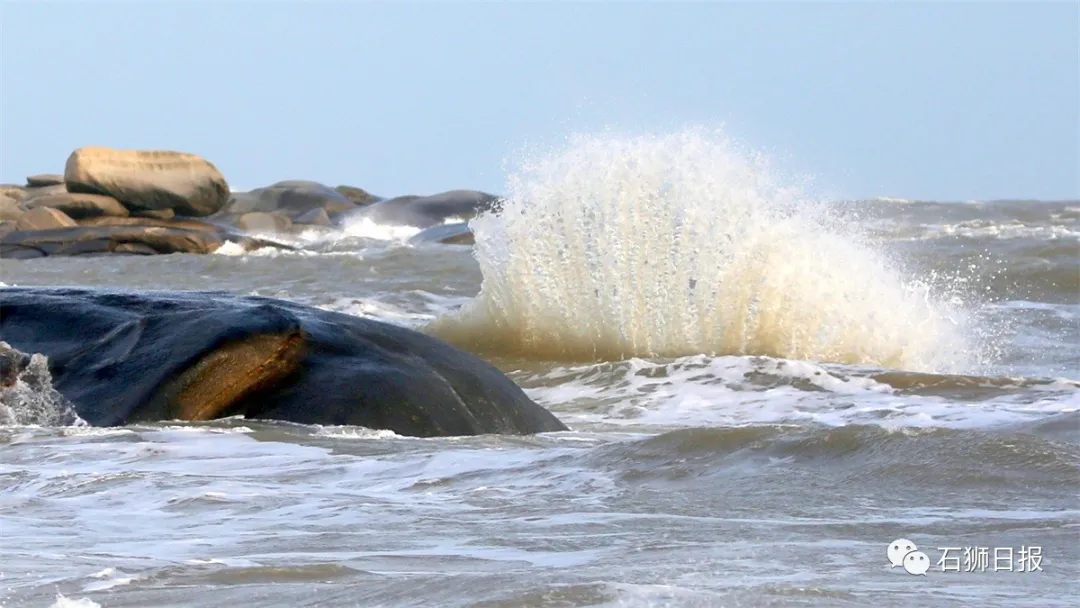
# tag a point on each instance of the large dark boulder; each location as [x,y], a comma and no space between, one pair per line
[425,211]
[125,357]
[149,180]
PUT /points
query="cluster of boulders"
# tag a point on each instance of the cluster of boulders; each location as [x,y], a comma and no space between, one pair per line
[143,202]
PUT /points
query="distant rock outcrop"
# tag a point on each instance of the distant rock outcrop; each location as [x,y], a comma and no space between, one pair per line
[149,179]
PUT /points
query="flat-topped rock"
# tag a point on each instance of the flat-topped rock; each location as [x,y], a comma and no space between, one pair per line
[45,179]
[126,357]
[149,179]
[78,205]
[112,235]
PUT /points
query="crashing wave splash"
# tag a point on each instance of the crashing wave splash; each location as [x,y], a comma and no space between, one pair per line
[27,396]
[674,245]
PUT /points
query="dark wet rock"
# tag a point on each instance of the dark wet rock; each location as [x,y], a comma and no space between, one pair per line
[425,211]
[315,217]
[159,214]
[45,179]
[123,357]
[447,234]
[79,205]
[125,236]
[9,208]
[44,218]
[290,198]
[358,195]
[263,222]
[149,179]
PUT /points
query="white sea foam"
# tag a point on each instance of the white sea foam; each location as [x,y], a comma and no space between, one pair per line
[32,400]
[732,391]
[366,228]
[66,602]
[680,244]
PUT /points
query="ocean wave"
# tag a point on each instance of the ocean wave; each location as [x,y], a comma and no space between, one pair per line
[27,396]
[667,246]
[736,391]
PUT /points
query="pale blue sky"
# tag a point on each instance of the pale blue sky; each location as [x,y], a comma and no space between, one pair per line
[934,101]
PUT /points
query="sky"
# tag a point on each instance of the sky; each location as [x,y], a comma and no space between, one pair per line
[941,101]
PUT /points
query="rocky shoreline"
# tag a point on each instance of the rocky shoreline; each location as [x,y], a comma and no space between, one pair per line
[147,202]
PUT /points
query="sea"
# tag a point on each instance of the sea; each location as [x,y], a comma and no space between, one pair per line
[775,399]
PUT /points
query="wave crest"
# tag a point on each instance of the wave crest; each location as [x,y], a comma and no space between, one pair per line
[665,246]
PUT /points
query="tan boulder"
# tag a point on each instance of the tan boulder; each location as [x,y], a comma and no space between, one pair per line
[149,179]
[78,205]
[9,208]
[44,218]
[15,192]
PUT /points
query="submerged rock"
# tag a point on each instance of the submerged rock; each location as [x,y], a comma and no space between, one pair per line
[149,179]
[124,357]
[447,234]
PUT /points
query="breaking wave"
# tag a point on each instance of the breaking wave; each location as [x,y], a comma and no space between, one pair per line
[681,244]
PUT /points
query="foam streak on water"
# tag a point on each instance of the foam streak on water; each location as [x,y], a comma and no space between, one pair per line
[679,245]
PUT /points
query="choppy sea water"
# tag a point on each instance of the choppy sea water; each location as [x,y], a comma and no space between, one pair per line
[764,392]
